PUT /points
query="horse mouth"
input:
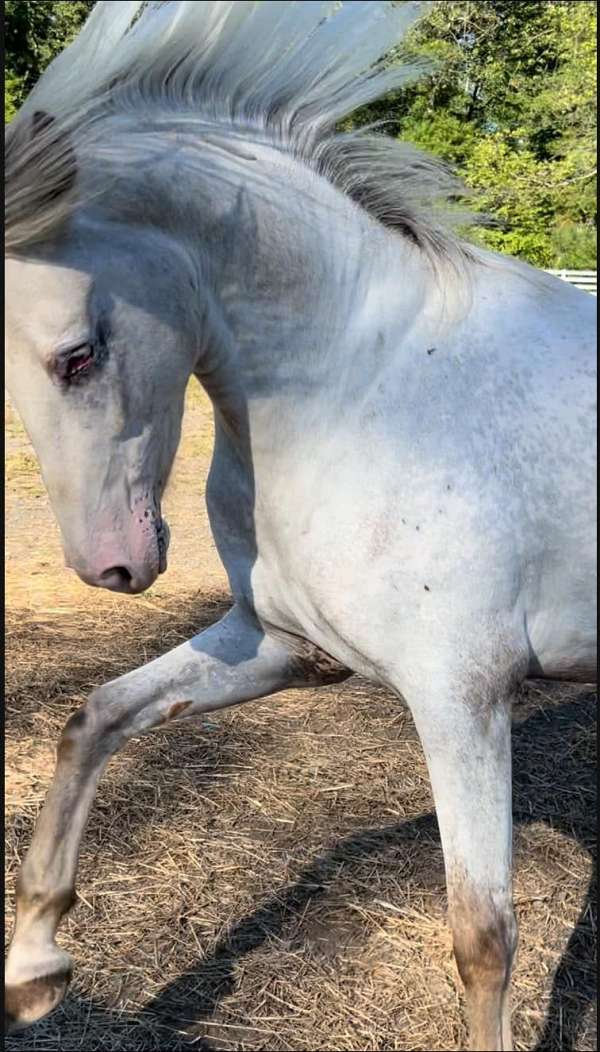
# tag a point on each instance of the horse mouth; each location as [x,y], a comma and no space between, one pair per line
[163,536]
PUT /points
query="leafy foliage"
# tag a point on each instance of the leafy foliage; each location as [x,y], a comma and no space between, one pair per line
[509,100]
[13,91]
[35,31]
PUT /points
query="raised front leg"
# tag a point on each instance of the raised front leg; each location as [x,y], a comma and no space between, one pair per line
[231,662]
[468,750]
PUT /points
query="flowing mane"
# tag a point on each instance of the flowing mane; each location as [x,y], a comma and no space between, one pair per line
[283,72]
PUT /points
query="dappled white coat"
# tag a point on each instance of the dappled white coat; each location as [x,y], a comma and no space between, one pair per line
[403,481]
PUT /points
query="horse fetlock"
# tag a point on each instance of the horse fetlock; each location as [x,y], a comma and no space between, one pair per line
[484,951]
[30,958]
[485,935]
[485,941]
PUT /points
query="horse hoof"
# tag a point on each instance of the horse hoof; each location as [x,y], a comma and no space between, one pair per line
[26,1003]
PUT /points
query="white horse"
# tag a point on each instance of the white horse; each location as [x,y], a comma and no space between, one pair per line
[403,477]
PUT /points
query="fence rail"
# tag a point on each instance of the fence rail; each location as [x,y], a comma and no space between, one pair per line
[582,279]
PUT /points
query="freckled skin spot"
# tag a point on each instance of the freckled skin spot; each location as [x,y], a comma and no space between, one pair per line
[176,710]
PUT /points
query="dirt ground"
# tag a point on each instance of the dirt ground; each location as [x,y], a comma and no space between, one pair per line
[271,877]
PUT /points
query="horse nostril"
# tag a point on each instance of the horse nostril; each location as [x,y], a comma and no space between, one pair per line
[116,577]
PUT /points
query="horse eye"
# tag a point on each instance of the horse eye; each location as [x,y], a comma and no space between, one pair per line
[72,364]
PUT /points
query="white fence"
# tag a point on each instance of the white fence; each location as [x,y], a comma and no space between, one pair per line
[582,279]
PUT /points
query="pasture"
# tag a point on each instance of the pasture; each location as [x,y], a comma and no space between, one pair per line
[271,877]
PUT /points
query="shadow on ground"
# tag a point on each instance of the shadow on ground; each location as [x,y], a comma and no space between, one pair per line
[173,1018]
[169,1018]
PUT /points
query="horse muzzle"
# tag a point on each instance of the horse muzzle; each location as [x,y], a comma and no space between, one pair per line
[127,561]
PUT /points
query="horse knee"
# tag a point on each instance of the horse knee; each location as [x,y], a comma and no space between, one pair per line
[93,725]
[485,943]
[72,734]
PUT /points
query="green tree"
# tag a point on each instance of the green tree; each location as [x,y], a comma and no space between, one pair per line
[510,101]
[13,89]
[35,31]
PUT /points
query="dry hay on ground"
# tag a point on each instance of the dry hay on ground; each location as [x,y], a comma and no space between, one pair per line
[271,877]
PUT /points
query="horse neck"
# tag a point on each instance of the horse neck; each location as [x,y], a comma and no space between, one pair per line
[300,291]
[305,287]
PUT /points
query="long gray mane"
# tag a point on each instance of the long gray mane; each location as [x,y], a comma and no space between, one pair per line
[283,72]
